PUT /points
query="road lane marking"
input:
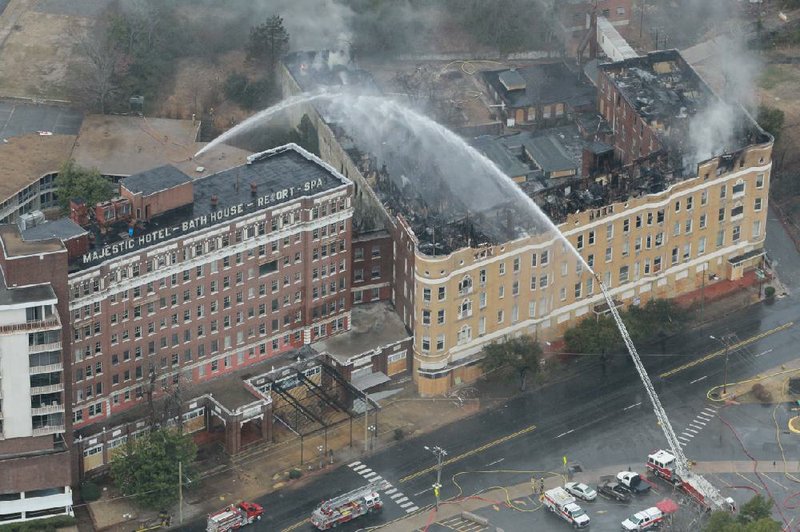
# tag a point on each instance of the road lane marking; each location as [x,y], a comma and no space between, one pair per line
[768,351]
[296,525]
[570,431]
[423,491]
[495,462]
[631,406]
[704,377]
[467,454]
[719,352]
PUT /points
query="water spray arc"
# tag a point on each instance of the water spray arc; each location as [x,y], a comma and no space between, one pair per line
[361,113]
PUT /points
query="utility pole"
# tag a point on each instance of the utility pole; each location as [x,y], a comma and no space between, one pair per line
[440,454]
[366,422]
[180,492]
[725,341]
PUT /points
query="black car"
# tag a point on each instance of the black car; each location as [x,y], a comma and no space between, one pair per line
[613,490]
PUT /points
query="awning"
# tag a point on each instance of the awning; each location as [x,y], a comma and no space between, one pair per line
[739,259]
[370,380]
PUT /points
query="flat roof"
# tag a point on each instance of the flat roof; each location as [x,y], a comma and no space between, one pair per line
[280,175]
[15,246]
[155,180]
[544,84]
[126,145]
[20,118]
[63,229]
[26,294]
[373,325]
[29,157]
[231,392]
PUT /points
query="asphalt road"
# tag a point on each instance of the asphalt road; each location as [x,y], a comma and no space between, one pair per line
[596,417]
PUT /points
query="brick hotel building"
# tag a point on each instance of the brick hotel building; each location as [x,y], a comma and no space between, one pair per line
[231,269]
[177,281]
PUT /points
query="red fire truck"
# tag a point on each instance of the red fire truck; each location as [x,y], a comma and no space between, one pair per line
[662,464]
[348,506]
[234,516]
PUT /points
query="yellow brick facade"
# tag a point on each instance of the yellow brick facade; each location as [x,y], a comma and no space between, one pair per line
[654,246]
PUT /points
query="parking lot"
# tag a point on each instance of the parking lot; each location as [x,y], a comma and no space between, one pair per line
[528,513]
[18,118]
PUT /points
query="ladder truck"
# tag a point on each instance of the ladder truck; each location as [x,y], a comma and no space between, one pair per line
[234,517]
[692,483]
[348,506]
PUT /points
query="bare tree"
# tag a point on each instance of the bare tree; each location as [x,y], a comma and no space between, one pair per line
[93,79]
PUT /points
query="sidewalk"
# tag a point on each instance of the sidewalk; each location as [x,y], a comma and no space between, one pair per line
[448,509]
[266,469]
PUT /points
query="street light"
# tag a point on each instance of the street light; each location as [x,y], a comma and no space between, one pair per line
[725,340]
[440,453]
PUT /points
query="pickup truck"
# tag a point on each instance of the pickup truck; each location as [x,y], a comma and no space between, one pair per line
[613,490]
[633,482]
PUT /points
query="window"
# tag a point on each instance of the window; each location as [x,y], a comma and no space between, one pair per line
[515,265]
[687,251]
[678,206]
[704,197]
[623,274]
[426,317]
[590,258]
[689,203]
[760,181]
[426,343]
[703,222]
[376,271]
[426,294]
[609,254]
[562,293]
[721,215]
[465,309]
[723,191]
[579,243]
[515,288]
[626,225]
[440,317]
[591,237]
[676,229]
[687,228]
[757,204]
[757,229]
[701,245]
[675,255]
[501,316]
[543,280]
[501,291]
[738,188]
[737,233]
[465,286]
[502,268]
[578,288]
[544,258]
[442,293]
[609,231]
[720,237]
[464,334]
[737,211]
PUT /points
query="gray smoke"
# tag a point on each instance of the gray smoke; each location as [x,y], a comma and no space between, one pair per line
[732,71]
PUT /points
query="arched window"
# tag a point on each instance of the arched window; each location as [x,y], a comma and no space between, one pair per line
[465,286]
[465,310]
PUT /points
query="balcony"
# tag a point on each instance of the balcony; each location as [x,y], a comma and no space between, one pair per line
[49,409]
[41,348]
[52,388]
[31,326]
[49,368]
[50,429]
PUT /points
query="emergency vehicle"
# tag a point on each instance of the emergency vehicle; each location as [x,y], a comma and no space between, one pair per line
[644,520]
[348,506]
[234,516]
[662,464]
[563,504]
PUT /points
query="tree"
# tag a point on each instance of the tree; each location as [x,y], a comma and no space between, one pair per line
[76,182]
[521,354]
[754,516]
[268,42]
[148,469]
[95,78]
[594,335]
[771,120]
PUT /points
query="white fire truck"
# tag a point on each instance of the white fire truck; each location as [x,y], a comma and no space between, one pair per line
[662,464]
[562,503]
[348,506]
[234,516]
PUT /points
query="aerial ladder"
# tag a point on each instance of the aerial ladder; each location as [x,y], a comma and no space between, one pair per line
[694,484]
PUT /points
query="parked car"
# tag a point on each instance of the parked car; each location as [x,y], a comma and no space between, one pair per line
[614,490]
[580,490]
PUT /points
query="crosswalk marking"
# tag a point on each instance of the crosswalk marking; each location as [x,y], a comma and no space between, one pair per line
[365,471]
[369,476]
[359,468]
[390,491]
[412,509]
[710,411]
[695,426]
[353,464]
[401,500]
[691,430]
[406,504]
[687,435]
[683,438]
[395,496]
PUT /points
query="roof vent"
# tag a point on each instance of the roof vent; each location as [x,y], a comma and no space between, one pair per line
[253,188]
[214,201]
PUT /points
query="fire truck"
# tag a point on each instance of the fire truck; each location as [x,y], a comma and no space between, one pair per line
[662,464]
[234,516]
[561,503]
[348,506]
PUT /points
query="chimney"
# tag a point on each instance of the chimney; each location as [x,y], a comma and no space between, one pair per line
[214,201]
[78,212]
[253,188]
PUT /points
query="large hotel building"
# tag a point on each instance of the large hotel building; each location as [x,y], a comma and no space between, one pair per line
[623,183]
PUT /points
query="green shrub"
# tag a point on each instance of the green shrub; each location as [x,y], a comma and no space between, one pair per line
[399,434]
[761,393]
[90,491]
[769,292]
[46,525]
[295,474]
